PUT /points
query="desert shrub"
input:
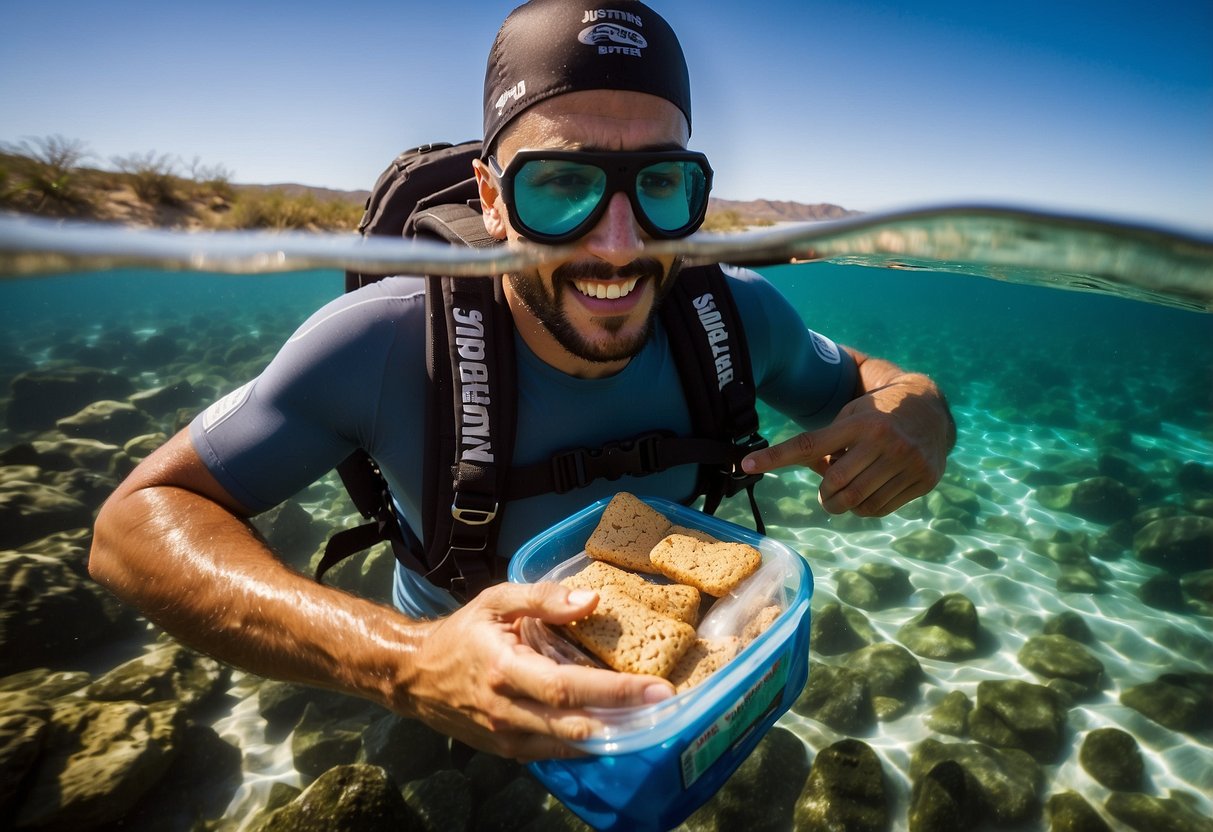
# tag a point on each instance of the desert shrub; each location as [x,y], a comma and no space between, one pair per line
[152,176]
[277,211]
[211,180]
[42,175]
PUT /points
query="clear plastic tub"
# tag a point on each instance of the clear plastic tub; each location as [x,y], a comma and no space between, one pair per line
[651,766]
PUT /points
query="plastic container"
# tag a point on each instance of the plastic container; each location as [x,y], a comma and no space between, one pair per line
[651,766]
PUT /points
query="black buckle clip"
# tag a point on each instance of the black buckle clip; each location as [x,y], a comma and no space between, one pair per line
[578,468]
[742,447]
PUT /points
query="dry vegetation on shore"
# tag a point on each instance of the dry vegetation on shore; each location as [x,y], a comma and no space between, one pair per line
[53,176]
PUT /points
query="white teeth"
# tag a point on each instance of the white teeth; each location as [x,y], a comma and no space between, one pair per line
[606,291]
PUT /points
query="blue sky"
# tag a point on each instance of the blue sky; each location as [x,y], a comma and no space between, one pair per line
[1104,108]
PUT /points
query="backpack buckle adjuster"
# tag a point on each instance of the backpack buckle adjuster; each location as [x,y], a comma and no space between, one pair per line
[577,468]
[472,516]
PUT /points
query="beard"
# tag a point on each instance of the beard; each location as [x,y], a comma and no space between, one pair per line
[548,309]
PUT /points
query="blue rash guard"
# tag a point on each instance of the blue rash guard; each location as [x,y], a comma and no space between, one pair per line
[354,375]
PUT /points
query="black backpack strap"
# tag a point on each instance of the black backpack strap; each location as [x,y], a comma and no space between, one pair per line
[470,429]
[713,359]
[369,492]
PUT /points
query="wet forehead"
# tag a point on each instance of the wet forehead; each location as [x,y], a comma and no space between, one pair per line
[597,119]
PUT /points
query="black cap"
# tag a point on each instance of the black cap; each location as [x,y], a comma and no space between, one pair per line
[550,47]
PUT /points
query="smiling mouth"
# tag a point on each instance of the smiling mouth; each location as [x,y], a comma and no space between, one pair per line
[606,291]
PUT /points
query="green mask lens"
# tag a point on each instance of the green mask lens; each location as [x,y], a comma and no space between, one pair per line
[555,196]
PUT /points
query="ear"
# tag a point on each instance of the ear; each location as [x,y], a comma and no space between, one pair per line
[491,207]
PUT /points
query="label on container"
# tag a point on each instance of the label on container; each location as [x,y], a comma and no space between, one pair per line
[735,724]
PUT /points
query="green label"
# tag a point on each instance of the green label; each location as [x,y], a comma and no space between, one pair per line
[734,725]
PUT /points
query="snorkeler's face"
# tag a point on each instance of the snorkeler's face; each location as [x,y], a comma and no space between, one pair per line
[592,310]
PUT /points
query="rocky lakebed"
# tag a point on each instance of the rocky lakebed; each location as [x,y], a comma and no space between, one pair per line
[1030,646]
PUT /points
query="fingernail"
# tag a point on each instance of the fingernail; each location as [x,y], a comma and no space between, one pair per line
[748,465]
[657,693]
[580,597]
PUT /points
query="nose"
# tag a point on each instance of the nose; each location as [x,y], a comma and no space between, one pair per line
[617,238]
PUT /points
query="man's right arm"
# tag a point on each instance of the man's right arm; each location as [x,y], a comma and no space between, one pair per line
[173,543]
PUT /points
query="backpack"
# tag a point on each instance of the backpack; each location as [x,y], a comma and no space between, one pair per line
[427,192]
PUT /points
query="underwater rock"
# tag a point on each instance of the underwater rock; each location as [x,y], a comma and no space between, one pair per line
[99,759]
[1178,544]
[951,715]
[1198,585]
[762,793]
[1010,779]
[1179,701]
[925,544]
[838,697]
[797,513]
[890,670]
[281,704]
[291,532]
[24,725]
[515,806]
[1098,499]
[1070,624]
[984,557]
[358,797]
[30,510]
[874,585]
[948,630]
[66,454]
[1078,578]
[168,399]
[441,801]
[489,774]
[321,741]
[1004,524]
[837,629]
[169,672]
[946,799]
[40,397]
[1194,478]
[406,749]
[949,527]
[197,788]
[44,684]
[1015,714]
[106,421]
[1162,592]
[1070,812]
[1147,813]
[845,790]
[89,487]
[1113,758]
[141,447]
[1061,657]
[50,613]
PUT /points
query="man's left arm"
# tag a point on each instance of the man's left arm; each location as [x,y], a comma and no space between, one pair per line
[887,446]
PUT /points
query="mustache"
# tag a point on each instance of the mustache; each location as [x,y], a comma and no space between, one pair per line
[598,270]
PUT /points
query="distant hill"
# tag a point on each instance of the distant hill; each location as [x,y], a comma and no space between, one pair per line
[768,210]
[754,210]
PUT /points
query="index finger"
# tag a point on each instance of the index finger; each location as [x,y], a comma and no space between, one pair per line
[810,449]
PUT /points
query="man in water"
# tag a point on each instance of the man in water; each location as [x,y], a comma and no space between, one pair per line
[567,93]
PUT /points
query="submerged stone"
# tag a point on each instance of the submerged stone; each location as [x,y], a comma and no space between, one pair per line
[1061,657]
[1010,779]
[443,800]
[945,799]
[407,749]
[170,672]
[948,630]
[762,793]
[1147,813]
[1015,714]
[39,397]
[837,629]
[106,421]
[838,697]
[1071,624]
[845,790]
[1179,701]
[1177,544]
[984,557]
[890,670]
[951,715]
[1070,812]
[358,797]
[1113,757]
[925,544]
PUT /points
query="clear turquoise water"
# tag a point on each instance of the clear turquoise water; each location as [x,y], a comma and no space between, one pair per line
[1040,379]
